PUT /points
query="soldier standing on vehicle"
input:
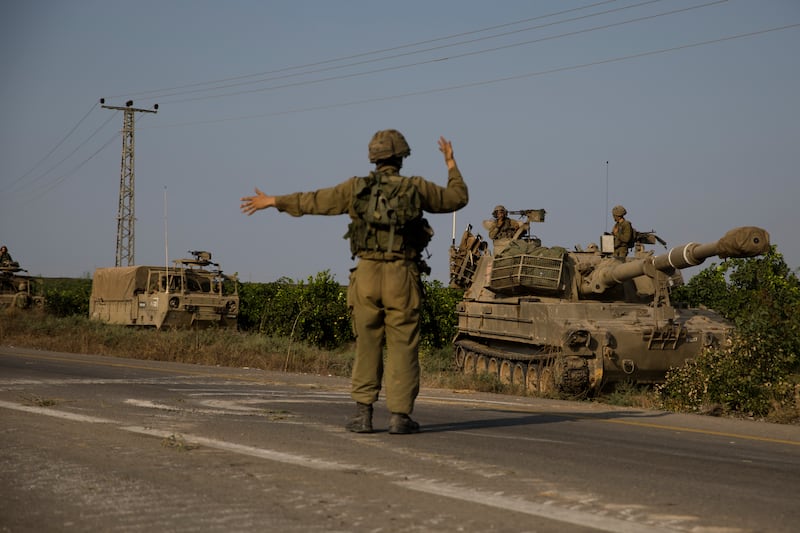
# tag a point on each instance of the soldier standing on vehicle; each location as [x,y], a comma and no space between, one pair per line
[623,232]
[388,234]
[5,257]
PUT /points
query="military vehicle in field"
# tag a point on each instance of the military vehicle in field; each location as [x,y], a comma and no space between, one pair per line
[17,290]
[571,322]
[192,293]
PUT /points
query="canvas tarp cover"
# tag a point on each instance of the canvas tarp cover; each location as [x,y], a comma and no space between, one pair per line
[119,283]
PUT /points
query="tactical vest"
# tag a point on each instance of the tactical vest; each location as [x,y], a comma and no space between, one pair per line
[386,216]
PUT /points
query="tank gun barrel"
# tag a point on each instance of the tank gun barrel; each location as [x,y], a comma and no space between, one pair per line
[747,241]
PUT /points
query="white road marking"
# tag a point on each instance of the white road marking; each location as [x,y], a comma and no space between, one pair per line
[492,499]
[263,453]
[49,411]
[511,503]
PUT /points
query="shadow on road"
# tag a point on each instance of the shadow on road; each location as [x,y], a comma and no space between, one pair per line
[527,419]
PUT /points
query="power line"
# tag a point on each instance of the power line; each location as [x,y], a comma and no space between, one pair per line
[405,54]
[80,165]
[156,93]
[58,181]
[48,154]
[63,159]
[451,57]
[465,54]
[318,63]
[460,86]
[491,81]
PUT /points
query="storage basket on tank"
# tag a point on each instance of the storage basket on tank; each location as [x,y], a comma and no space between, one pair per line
[525,273]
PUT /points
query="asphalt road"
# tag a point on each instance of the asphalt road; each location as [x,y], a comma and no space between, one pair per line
[91,443]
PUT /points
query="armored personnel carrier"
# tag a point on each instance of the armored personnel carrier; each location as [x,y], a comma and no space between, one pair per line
[17,290]
[192,293]
[570,322]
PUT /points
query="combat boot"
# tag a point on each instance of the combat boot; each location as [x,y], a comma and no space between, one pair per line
[401,424]
[362,420]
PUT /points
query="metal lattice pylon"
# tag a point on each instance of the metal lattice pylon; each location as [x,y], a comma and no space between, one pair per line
[126,212]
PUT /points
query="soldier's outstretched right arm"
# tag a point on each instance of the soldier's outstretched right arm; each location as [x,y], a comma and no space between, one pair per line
[251,204]
[328,201]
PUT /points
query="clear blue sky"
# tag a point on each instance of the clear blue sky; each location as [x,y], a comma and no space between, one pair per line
[694,104]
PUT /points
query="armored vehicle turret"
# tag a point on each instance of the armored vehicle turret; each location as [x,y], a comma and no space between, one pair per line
[552,320]
[17,288]
[192,293]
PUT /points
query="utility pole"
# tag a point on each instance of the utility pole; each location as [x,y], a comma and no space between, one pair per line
[126,212]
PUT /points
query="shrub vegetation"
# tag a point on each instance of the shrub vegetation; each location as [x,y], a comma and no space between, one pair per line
[757,374]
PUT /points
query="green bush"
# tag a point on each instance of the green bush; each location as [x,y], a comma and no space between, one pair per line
[67,296]
[757,373]
[315,311]
[438,318]
[254,303]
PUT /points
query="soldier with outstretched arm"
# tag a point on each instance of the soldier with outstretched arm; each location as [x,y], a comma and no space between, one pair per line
[385,292]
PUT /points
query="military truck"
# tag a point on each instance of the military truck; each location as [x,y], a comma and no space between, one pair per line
[192,293]
[572,322]
[17,290]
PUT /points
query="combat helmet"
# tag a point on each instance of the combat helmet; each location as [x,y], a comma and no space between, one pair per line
[386,144]
[619,211]
[499,208]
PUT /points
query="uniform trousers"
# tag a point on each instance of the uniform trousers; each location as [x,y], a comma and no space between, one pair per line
[385,299]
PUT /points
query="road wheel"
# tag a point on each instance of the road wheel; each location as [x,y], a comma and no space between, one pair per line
[532,379]
[494,367]
[460,356]
[506,370]
[469,362]
[547,381]
[518,376]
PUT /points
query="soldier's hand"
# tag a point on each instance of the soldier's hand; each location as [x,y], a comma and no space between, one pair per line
[251,204]
[446,147]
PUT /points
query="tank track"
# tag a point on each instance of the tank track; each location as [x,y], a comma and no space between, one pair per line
[546,371]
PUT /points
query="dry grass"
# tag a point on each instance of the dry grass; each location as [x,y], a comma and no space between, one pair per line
[216,347]
[627,394]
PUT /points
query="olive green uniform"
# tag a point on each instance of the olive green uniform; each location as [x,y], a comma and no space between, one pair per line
[505,230]
[385,292]
[5,259]
[623,238]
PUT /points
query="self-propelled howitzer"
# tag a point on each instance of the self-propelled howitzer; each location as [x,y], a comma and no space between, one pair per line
[553,320]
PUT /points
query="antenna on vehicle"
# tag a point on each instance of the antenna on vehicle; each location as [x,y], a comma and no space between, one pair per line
[166,240]
[454,228]
[606,206]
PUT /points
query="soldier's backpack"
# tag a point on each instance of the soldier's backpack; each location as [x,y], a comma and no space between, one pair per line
[387,215]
